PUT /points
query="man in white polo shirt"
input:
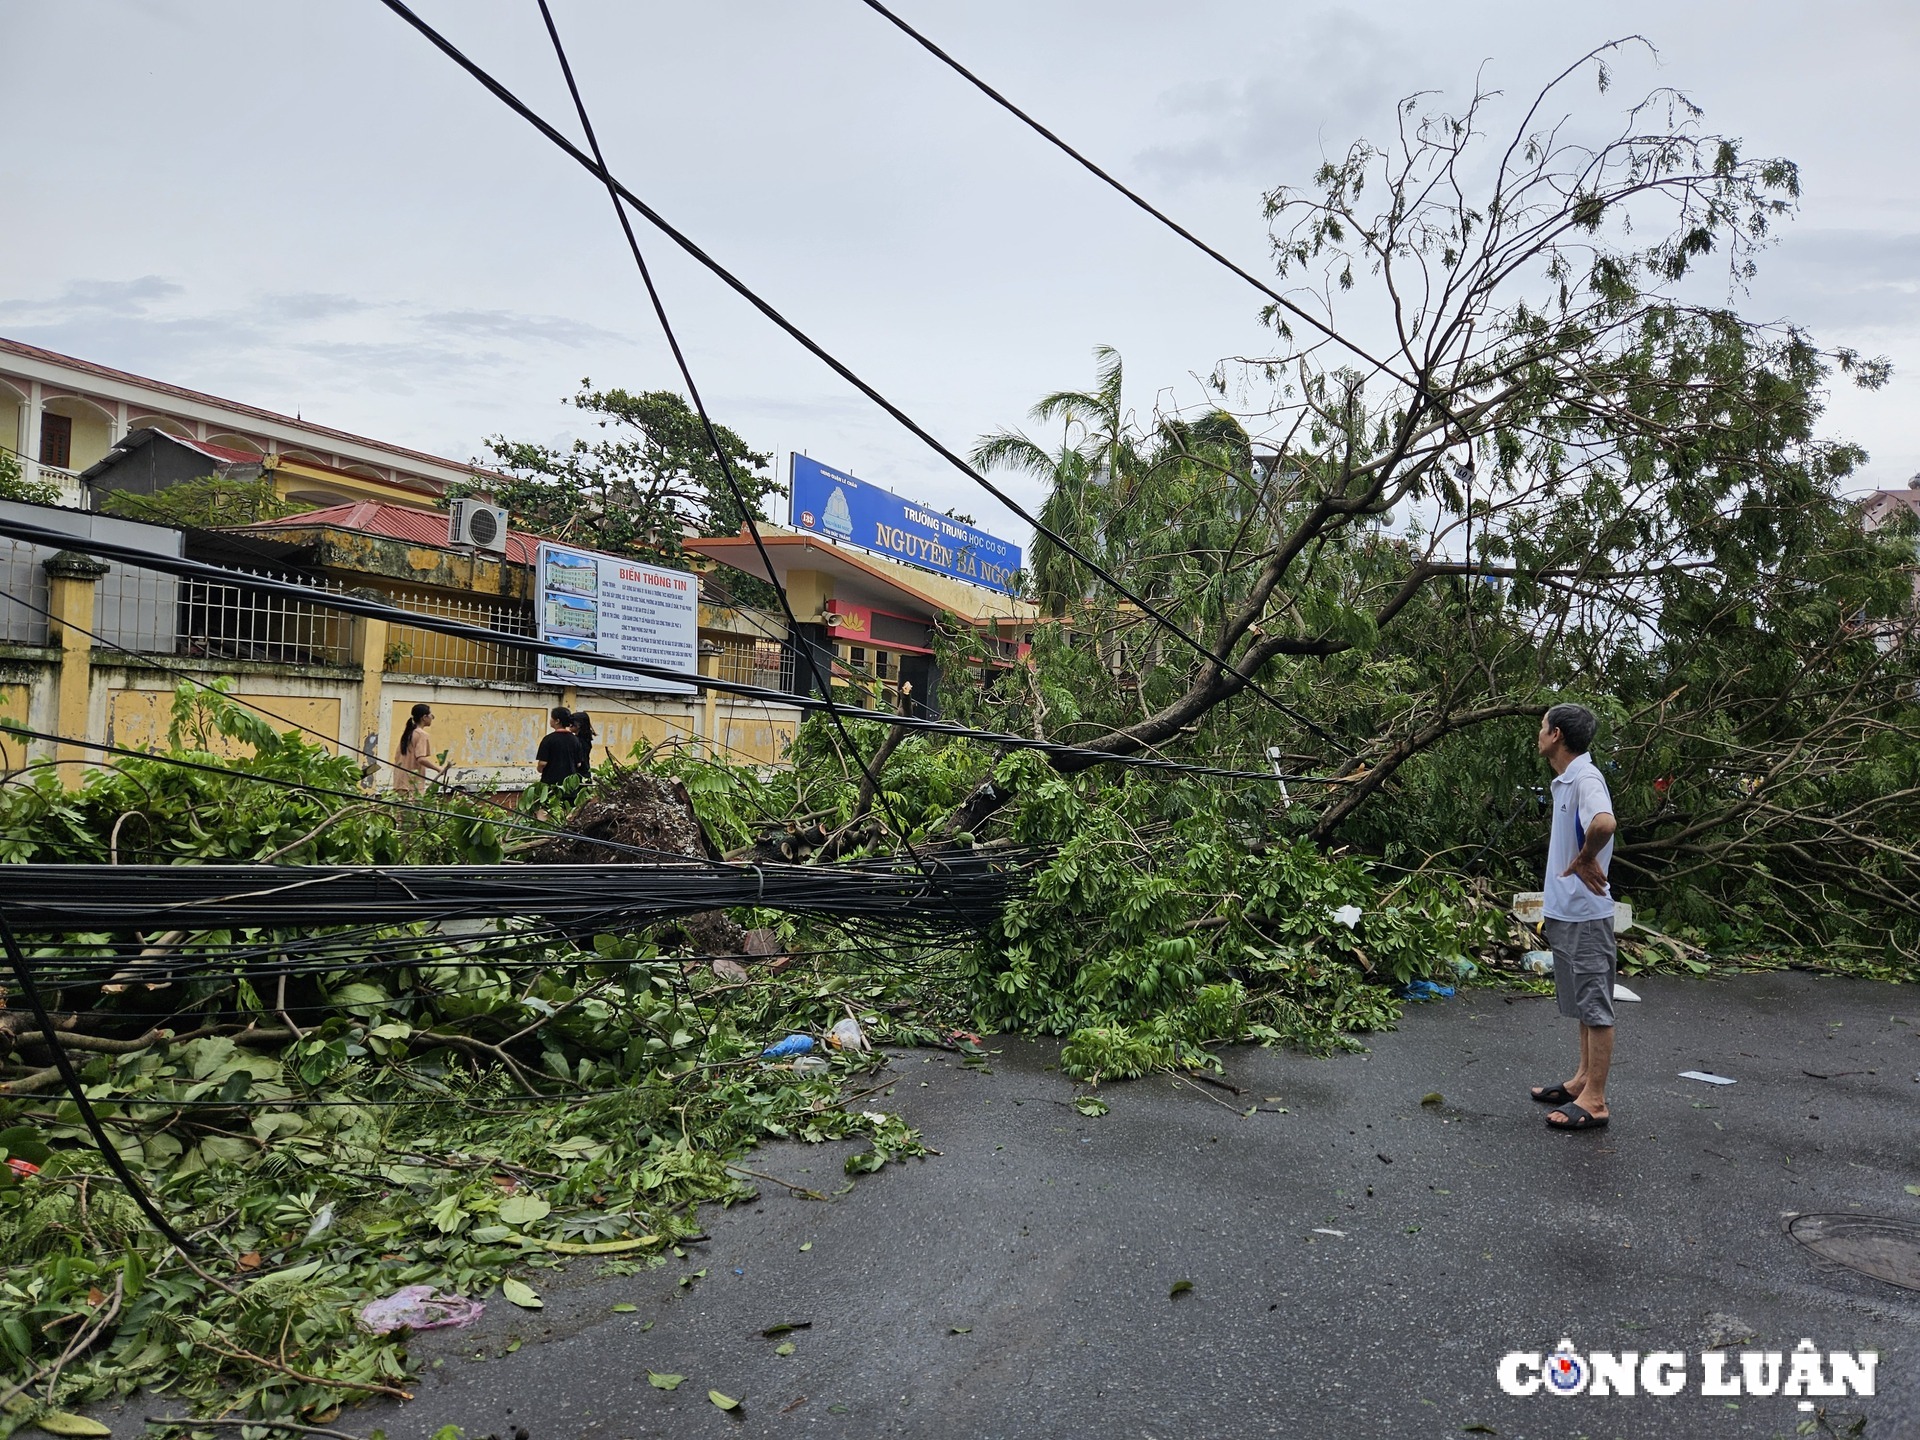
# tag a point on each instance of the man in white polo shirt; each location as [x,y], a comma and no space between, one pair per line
[1579,914]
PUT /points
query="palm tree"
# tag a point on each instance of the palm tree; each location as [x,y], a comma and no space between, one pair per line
[1088,477]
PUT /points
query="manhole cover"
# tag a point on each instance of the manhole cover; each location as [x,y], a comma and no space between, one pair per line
[1886,1249]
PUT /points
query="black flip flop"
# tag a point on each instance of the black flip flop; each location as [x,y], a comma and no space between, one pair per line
[1552,1095]
[1577,1119]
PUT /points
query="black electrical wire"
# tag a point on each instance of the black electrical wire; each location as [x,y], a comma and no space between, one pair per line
[653,217]
[359,605]
[1306,316]
[822,681]
[121,898]
[71,1079]
[185,965]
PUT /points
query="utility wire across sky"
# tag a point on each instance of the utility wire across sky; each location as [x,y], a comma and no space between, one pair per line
[653,217]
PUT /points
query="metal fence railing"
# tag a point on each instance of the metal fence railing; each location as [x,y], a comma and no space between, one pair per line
[229,620]
[414,651]
[766,663]
[23,594]
[136,609]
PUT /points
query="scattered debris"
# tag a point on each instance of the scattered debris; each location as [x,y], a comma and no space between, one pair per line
[1338,1234]
[847,1035]
[1347,915]
[1428,990]
[1433,1097]
[792,1045]
[1723,1330]
[1180,1287]
[1620,992]
[420,1307]
[1537,962]
[1704,1076]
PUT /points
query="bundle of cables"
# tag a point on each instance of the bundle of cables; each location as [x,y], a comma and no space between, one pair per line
[963,890]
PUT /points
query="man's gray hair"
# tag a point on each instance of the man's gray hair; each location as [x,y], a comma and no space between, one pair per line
[1576,725]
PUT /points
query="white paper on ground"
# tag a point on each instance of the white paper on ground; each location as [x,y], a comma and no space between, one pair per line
[1710,1079]
[1620,992]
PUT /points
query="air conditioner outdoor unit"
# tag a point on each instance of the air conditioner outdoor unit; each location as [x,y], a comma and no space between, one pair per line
[475,523]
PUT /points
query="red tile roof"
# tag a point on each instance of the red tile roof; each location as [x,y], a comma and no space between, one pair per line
[395,522]
[224,453]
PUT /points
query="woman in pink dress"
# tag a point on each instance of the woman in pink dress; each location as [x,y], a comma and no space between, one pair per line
[415,755]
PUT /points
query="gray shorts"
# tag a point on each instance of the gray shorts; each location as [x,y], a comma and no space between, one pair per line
[1585,961]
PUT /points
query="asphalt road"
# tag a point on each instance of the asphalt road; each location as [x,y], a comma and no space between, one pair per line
[1358,1262]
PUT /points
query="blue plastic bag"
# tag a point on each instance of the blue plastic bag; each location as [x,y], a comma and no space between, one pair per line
[792,1045]
[1427,990]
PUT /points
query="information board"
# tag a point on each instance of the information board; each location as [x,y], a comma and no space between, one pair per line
[619,608]
[832,502]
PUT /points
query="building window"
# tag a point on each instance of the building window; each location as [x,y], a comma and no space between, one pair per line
[882,663]
[56,440]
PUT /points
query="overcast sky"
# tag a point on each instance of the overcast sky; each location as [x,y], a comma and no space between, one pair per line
[304,207]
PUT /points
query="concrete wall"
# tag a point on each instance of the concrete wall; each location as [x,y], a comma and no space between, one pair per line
[490,732]
[70,687]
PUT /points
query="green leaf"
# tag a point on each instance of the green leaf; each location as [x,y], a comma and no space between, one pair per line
[360,998]
[518,1292]
[523,1210]
[725,1402]
[60,1422]
[449,1215]
[1433,1097]
[1913,1189]
[960,1330]
[786,1347]
[1090,1105]
[664,1382]
[291,1276]
[1180,1287]
[623,1308]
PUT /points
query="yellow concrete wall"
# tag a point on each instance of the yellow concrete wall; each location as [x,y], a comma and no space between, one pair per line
[491,735]
[137,718]
[16,703]
[499,732]
[749,735]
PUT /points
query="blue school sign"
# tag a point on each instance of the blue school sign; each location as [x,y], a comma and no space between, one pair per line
[832,502]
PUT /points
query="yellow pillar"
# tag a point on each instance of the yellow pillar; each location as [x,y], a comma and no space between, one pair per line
[709,666]
[70,580]
[370,654]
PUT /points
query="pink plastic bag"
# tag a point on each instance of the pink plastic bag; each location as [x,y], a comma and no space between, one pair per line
[419,1307]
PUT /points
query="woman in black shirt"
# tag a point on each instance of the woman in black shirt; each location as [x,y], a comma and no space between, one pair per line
[558,758]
